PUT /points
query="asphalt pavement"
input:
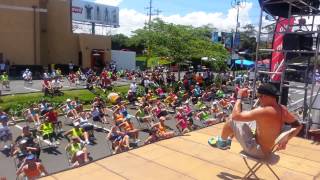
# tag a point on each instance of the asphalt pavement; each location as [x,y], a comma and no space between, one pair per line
[55,159]
[20,86]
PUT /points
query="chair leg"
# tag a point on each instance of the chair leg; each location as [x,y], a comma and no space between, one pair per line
[256,169]
[273,172]
[252,170]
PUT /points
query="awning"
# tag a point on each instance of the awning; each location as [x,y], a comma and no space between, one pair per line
[244,62]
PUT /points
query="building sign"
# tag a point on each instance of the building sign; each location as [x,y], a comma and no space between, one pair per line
[95,13]
[215,37]
[228,38]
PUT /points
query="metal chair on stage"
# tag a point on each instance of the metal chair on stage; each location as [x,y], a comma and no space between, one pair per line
[271,159]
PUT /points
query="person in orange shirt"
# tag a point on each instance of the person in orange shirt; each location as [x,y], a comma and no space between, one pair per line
[31,168]
[127,126]
[199,79]
[118,117]
[158,132]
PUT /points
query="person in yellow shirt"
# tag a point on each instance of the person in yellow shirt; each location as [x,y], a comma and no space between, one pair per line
[77,152]
[78,132]
[47,132]
[5,80]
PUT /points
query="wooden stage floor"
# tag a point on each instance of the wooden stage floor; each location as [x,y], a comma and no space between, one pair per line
[190,157]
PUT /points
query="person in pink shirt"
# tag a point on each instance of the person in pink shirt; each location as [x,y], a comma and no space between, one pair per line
[160,93]
[182,123]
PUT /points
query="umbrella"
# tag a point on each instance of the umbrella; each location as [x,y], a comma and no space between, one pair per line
[244,62]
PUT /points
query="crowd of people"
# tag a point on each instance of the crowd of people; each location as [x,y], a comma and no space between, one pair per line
[197,100]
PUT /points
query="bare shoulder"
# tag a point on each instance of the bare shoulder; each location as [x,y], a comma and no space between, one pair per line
[287,116]
[262,113]
[264,110]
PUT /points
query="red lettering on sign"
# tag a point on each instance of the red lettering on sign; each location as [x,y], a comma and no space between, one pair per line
[77,10]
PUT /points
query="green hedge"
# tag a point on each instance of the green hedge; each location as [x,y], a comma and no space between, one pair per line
[14,104]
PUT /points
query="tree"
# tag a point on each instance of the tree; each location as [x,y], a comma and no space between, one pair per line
[119,41]
[179,43]
[248,40]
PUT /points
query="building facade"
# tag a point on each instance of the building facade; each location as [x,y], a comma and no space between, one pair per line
[39,32]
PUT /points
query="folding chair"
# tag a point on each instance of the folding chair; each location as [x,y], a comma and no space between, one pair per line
[270,159]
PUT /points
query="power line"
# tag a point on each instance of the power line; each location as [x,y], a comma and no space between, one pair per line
[151,12]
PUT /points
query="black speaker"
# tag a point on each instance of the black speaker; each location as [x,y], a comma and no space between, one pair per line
[297,42]
[285,92]
[298,8]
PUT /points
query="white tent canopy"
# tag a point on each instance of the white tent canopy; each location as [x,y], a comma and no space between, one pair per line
[207,59]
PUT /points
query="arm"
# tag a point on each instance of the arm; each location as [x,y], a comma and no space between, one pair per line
[239,115]
[291,119]
[179,122]
[66,134]
[109,135]
[20,170]
[43,170]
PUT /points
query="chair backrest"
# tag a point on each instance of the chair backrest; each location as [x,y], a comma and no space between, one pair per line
[283,136]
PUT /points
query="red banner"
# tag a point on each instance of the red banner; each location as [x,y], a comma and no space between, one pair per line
[277,56]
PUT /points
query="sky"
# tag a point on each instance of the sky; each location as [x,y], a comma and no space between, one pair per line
[218,13]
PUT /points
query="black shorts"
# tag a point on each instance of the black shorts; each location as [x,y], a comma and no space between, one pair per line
[43,112]
[87,127]
[162,113]
[96,118]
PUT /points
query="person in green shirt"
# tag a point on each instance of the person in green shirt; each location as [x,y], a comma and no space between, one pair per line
[78,153]
[142,116]
[47,132]
[204,117]
[5,80]
[78,132]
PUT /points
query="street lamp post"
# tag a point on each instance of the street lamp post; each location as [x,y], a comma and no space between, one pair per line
[237,4]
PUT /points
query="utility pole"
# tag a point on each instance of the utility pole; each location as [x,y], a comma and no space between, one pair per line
[237,4]
[151,12]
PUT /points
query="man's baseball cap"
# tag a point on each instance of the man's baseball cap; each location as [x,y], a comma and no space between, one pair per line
[268,89]
[4,117]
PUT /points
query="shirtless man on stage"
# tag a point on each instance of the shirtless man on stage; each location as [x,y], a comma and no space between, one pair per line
[268,119]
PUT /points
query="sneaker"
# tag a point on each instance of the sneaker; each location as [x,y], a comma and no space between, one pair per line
[54,144]
[82,142]
[137,141]
[218,143]
[6,147]
[88,143]
[229,142]
[222,144]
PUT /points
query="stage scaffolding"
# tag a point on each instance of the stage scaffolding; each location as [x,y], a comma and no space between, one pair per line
[299,9]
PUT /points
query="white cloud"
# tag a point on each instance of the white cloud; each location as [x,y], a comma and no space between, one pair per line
[109,2]
[131,20]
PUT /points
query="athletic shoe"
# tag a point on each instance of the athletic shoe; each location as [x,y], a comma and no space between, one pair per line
[218,143]
[229,142]
[222,144]
[89,143]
